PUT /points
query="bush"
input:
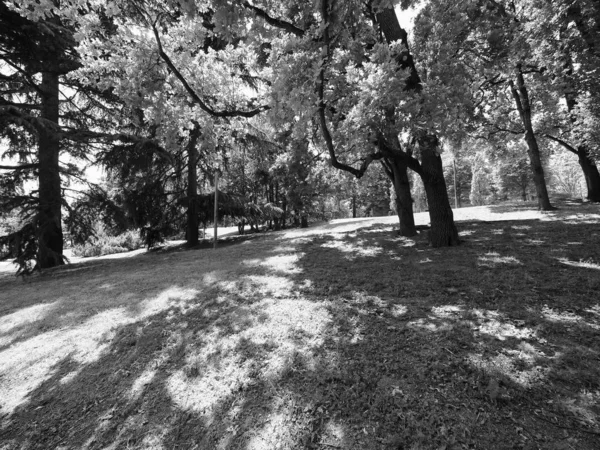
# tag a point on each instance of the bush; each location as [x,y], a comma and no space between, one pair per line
[108,245]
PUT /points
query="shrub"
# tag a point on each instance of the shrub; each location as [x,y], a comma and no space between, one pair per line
[108,245]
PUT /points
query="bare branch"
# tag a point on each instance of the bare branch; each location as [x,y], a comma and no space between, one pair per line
[565,145]
[273,21]
[20,167]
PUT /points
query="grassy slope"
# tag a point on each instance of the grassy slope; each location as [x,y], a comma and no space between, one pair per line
[321,338]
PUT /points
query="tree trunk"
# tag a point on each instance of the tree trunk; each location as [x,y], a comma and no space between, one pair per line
[192,188]
[404,201]
[284,215]
[353,206]
[539,179]
[590,171]
[50,237]
[443,232]
[521,97]
[592,176]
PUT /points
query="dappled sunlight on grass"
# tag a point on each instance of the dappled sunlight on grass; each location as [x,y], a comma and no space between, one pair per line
[14,325]
[285,263]
[28,363]
[331,337]
[447,311]
[271,337]
[589,264]
[353,249]
[274,433]
[492,259]
[509,364]
[568,317]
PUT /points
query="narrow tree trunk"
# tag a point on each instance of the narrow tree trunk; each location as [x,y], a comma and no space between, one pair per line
[50,237]
[443,232]
[353,206]
[192,189]
[284,215]
[539,179]
[456,196]
[592,176]
[521,97]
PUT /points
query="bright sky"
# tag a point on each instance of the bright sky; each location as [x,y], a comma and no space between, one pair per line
[407,17]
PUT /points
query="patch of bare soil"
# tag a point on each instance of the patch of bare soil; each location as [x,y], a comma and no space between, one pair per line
[335,337]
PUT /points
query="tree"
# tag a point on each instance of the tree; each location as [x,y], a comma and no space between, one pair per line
[355,41]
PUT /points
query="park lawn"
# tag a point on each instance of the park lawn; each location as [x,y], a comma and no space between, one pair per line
[340,336]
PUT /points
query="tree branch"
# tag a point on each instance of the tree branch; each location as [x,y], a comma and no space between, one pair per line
[273,21]
[192,92]
[20,167]
[563,143]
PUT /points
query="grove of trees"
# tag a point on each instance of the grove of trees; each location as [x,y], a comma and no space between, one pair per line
[314,108]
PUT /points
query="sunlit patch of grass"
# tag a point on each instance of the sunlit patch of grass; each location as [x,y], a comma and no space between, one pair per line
[447,311]
[521,227]
[594,310]
[509,364]
[492,259]
[502,330]
[398,310]
[353,250]
[586,264]
[28,363]
[567,317]
[275,431]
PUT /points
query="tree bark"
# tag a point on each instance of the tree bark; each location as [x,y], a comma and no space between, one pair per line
[398,173]
[193,222]
[589,168]
[443,231]
[592,176]
[50,237]
[521,97]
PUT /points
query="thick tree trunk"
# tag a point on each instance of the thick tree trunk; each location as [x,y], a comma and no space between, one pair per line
[404,201]
[304,221]
[443,232]
[521,97]
[192,189]
[50,237]
[590,171]
[592,176]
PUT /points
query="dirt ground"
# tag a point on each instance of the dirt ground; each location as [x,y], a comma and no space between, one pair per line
[340,336]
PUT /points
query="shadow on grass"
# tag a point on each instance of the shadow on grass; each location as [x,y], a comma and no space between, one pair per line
[366,340]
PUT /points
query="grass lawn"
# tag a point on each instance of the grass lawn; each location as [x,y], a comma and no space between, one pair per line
[341,336]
